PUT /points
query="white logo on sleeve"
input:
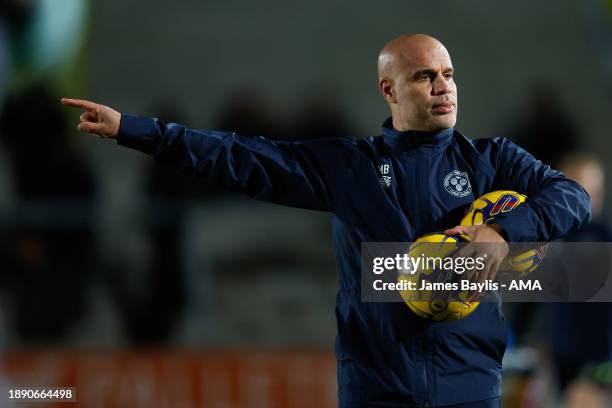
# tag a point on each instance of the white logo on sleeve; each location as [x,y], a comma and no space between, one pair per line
[385,179]
[457,183]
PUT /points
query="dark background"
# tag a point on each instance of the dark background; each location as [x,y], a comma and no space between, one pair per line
[104,253]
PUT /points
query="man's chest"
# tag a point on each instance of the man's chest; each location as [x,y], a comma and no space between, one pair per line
[417,192]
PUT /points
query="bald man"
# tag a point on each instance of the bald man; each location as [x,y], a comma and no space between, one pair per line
[393,187]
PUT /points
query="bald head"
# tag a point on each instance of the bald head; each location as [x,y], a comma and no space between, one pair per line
[415,76]
[409,49]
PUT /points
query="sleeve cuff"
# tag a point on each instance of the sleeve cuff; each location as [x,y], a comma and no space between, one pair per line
[137,133]
[517,225]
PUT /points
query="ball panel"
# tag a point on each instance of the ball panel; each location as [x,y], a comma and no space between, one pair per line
[486,207]
[484,210]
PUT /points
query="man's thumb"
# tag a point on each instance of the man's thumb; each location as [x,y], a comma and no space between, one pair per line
[91,127]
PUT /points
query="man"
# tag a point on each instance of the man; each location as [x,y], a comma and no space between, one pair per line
[386,355]
[571,349]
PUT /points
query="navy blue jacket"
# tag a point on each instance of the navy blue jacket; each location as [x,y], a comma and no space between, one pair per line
[389,188]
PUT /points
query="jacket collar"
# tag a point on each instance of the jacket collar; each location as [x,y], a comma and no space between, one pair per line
[414,138]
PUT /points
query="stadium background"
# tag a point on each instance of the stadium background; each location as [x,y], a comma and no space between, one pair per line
[145,288]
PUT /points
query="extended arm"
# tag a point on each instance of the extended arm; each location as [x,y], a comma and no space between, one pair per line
[298,174]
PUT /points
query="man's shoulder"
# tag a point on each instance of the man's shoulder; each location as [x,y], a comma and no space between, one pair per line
[459,135]
[340,149]
[481,145]
[368,143]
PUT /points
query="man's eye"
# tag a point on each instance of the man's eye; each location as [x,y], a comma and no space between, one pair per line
[448,76]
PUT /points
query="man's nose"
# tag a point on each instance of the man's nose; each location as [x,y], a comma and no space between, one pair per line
[440,86]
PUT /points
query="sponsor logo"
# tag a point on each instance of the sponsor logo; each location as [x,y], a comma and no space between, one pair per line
[385,179]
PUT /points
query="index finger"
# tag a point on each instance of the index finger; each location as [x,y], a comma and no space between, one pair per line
[79,103]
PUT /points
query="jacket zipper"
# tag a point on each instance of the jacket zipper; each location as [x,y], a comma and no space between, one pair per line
[418,223]
[419,218]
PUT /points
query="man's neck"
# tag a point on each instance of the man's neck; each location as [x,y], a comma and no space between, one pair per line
[405,127]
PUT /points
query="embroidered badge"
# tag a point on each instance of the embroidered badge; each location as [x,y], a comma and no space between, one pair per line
[457,183]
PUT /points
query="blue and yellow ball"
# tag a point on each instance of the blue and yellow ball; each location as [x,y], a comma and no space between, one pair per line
[436,245]
[485,209]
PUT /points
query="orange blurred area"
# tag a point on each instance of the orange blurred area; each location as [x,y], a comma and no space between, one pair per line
[211,379]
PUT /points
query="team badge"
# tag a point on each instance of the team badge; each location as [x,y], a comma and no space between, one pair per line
[457,183]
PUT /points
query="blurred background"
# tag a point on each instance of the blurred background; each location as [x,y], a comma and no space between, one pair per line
[143,287]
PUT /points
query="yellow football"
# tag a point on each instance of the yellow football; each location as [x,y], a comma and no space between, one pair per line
[485,209]
[432,246]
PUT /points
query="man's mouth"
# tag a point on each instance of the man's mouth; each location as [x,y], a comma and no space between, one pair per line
[442,108]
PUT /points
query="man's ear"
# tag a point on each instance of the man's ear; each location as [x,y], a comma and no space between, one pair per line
[385,86]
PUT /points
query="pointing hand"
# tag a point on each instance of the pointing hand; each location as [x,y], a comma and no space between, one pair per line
[97,119]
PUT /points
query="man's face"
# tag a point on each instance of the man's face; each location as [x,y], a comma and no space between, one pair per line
[421,89]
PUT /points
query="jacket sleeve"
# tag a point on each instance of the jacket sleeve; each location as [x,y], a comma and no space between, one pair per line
[555,205]
[297,174]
